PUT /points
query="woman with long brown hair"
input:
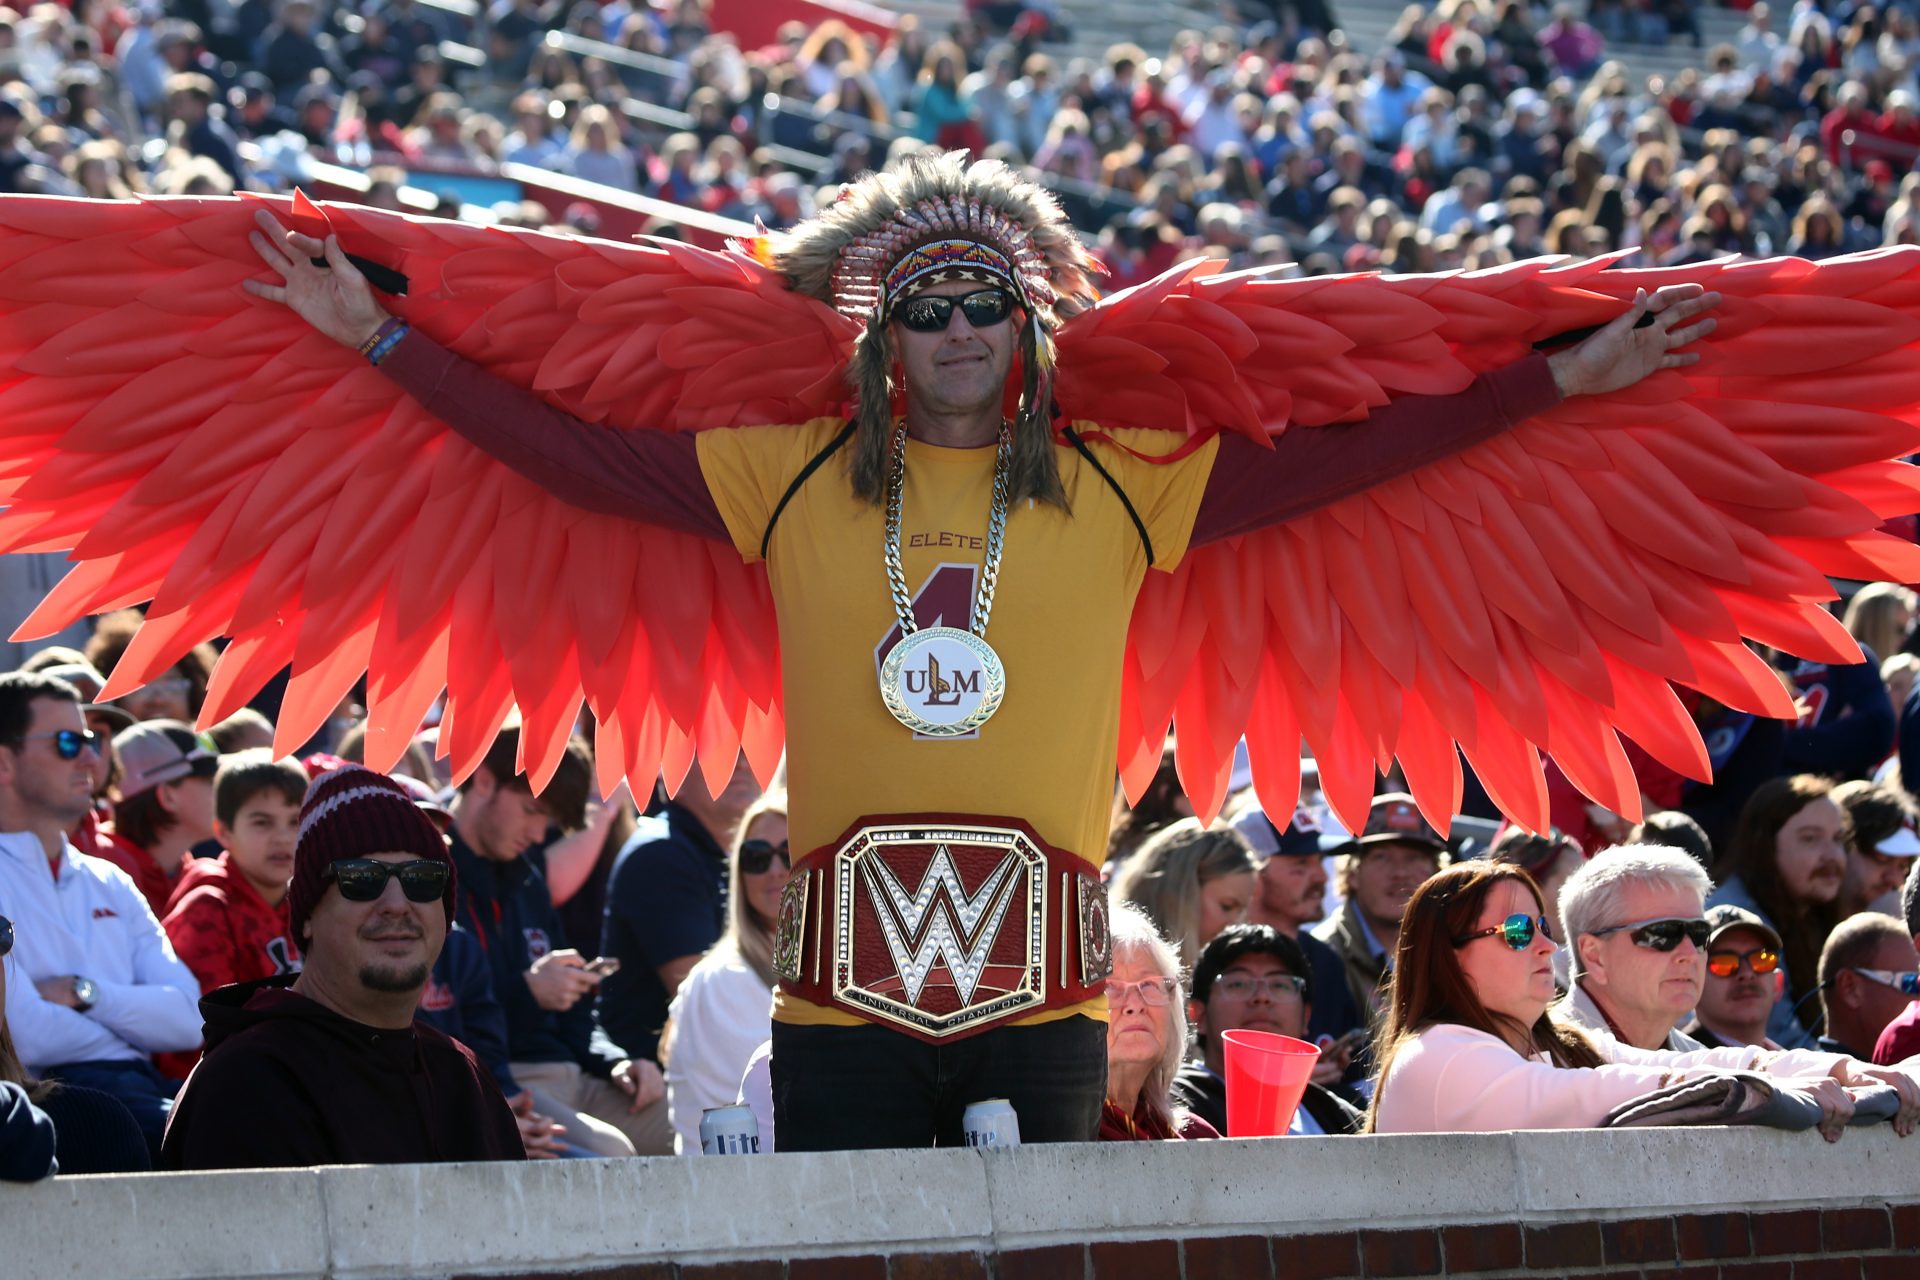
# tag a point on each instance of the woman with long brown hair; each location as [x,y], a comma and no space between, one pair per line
[1468,1045]
[1786,863]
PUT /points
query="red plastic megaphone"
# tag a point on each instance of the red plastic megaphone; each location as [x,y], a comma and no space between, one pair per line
[1266,1075]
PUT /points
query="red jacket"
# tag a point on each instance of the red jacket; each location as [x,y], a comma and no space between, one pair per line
[225,931]
[155,885]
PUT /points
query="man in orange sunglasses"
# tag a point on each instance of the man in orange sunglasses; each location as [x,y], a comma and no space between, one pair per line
[1743,979]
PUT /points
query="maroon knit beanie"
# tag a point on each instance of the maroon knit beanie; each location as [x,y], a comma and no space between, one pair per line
[351,812]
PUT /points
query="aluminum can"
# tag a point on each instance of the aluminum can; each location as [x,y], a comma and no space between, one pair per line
[729,1131]
[991,1124]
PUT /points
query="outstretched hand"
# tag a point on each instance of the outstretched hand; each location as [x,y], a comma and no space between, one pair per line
[1621,354]
[334,299]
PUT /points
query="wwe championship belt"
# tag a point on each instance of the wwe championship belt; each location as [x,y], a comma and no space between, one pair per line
[942,927]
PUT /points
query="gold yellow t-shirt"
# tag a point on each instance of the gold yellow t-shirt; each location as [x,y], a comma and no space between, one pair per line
[1065,593]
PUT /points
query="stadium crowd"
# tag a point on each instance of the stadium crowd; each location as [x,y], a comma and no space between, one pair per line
[575,975]
[1478,134]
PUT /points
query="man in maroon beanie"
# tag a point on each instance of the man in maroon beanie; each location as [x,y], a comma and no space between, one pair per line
[329,1067]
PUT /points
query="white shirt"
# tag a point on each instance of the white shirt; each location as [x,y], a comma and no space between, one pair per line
[1454,1079]
[721,1014]
[89,921]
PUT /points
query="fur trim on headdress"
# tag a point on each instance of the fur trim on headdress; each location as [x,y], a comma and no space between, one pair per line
[844,257]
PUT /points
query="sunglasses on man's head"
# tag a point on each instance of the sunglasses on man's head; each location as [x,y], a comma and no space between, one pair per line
[757,855]
[930,313]
[1516,931]
[364,879]
[1724,964]
[6,935]
[1662,935]
[67,743]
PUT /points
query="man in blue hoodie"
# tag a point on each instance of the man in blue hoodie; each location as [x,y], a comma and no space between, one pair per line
[609,1104]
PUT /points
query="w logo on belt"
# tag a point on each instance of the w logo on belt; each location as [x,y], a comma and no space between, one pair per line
[915,944]
[962,946]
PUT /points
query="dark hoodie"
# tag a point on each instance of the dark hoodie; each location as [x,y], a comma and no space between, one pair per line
[26,1137]
[285,1082]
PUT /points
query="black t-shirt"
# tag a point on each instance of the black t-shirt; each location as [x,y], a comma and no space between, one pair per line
[666,899]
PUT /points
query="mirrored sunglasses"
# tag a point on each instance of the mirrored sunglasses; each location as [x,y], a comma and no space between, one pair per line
[364,879]
[68,743]
[1662,935]
[1906,983]
[1724,964]
[1516,931]
[758,855]
[932,312]
[6,936]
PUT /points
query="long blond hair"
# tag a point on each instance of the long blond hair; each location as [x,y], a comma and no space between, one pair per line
[751,936]
[1872,616]
[1163,879]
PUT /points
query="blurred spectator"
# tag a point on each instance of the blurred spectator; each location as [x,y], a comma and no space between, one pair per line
[331,1067]
[1290,896]
[1191,882]
[1881,615]
[94,989]
[1256,978]
[608,1104]
[722,1012]
[1379,871]
[165,805]
[197,127]
[1146,1036]
[26,1133]
[1675,830]
[667,906]
[1574,47]
[1743,979]
[1867,978]
[1786,863]
[1882,842]
[174,694]
[1846,719]
[1162,804]
[1901,1039]
[1638,943]
[292,50]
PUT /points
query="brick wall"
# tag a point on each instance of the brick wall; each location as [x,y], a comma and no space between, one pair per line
[1801,1244]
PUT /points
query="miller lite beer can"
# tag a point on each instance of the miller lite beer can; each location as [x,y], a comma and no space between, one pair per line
[729,1131]
[991,1124]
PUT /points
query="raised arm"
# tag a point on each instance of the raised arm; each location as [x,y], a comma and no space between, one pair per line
[642,475]
[1309,467]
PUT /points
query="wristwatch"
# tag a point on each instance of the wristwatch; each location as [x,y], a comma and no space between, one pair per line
[84,993]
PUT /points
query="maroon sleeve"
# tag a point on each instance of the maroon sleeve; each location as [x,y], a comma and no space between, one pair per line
[1308,467]
[652,476]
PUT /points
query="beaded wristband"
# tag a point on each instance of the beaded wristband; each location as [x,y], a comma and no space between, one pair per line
[384,340]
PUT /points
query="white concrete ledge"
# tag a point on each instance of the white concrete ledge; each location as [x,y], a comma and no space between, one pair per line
[370,1223]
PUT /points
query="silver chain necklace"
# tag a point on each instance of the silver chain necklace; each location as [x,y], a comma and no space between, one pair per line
[941,681]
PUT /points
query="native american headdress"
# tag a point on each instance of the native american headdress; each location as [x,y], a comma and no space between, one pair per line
[929,219]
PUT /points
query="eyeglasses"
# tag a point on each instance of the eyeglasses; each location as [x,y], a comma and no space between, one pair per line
[1908,983]
[175,686]
[931,313]
[1516,931]
[1663,935]
[758,855]
[6,936]
[1724,964]
[68,743]
[1280,986]
[364,879]
[1153,991]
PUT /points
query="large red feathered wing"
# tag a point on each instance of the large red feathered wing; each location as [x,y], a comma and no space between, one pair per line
[1543,591]
[205,450]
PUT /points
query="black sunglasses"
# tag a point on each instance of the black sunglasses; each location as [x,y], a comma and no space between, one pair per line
[931,313]
[67,743]
[6,935]
[757,855]
[1516,931]
[1662,935]
[364,879]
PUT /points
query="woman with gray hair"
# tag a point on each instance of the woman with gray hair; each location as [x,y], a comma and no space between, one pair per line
[1637,940]
[1146,1036]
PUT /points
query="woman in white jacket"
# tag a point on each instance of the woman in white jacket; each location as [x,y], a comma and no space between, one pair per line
[1468,1045]
[724,1009]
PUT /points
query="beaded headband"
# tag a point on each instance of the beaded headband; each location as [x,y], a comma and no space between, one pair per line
[935,233]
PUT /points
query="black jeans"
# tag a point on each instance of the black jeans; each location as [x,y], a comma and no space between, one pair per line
[848,1088]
